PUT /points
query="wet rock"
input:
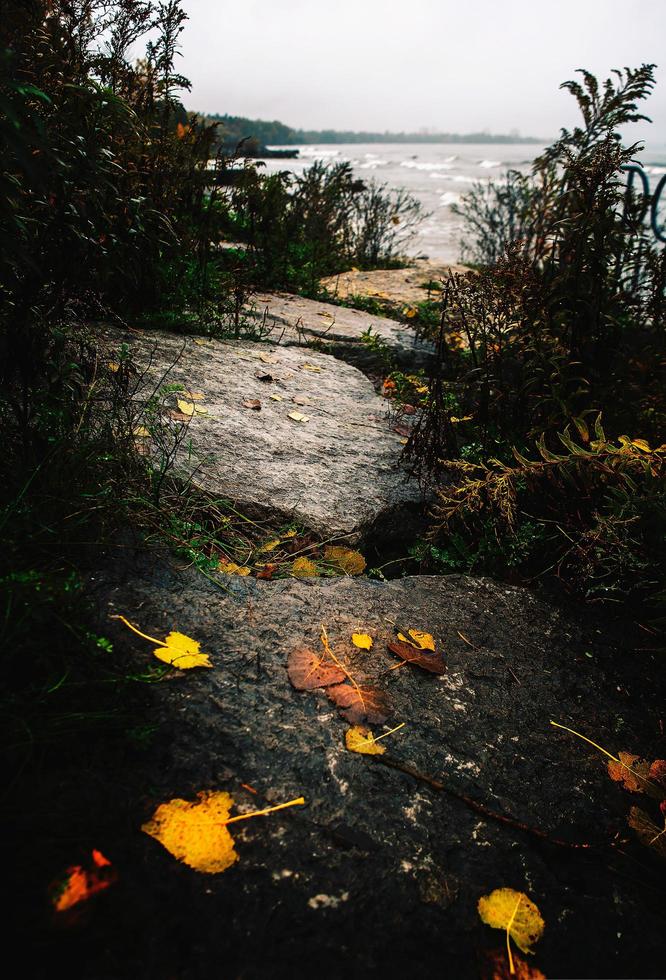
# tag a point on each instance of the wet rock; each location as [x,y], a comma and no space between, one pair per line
[338,330]
[380,875]
[287,433]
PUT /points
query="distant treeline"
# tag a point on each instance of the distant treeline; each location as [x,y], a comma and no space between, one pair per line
[259,131]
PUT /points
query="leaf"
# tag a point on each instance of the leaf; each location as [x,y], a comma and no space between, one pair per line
[252,403]
[141,432]
[307,671]
[422,641]
[194,396]
[263,376]
[358,704]
[301,400]
[360,739]
[514,912]
[195,832]
[647,831]
[402,430]
[297,417]
[304,568]
[113,366]
[182,652]
[270,545]
[657,772]
[189,408]
[631,771]
[231,568]
[432,662]
[276,398]
[268,359]
[497,967]
[79,883]
[267,571]
[348,561]
[362,640]
[311,367]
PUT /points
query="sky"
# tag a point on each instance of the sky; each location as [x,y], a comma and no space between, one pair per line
[463,66]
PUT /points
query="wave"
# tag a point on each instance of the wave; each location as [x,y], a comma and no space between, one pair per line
[490,163]
[448,198]
[445,165]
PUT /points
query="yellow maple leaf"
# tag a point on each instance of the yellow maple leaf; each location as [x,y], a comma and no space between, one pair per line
[196,832]
[177,649]
[348,561]
[362,640]
[304,568]
[514,912]
[422,641]
[361,740]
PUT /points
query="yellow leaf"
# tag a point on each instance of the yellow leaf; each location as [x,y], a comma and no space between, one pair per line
[422,641]
[362,640]
[183,652]
[267,359]
[141,432]
[465,418]
[304,568]
[194,396]
[422,390]
[231,568]
[360,739]
[275,398]
[113,366]
[189,408]
[311,367]
[348,561]
[289,534]
[270,545]
[409,312]
[641,444]
[195,833]
[299,417]
[514,912]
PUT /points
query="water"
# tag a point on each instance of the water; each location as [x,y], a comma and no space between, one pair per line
[437,174]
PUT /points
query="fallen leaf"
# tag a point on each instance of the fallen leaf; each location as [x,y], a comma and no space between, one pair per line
[178,416]
[514,912]
[231,568]
[194,396]
[267,571]
[311,367]
[631,771]
[177,649]
[657,772]
[189,408]
[201,343]
[289,534]
[195,832]
[465,418]
[647,830]
[432,662]
[348,561]
[422,641]
[409,312]
[263,376]
[253,403]
[79,884]
[358,704]
[360,739]
[141,432]
[362,640]
[268,359]
[402,430]
[276,398]
[113,366]
[304,568]
[409,409]
[301,400]
[497,967]
[307,671]
[297,417]
[270,545]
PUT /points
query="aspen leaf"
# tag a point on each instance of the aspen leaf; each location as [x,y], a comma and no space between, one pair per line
[195,832]
[307,671]
[422,641]
[348,561]
[360,739]
[79,883]
[183,652]
[631,771]
[647,830]
[362,640]
[514,912]
[304,568]
[298,417]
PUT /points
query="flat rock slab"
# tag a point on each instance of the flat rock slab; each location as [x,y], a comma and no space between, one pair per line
[334,467]
[339,330]
[394,287]
[380,874]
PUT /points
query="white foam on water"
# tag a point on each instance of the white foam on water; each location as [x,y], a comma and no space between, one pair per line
[490,163]
[412,165]
[448,198]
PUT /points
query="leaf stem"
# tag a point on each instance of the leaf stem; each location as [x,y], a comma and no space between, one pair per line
[269,809]
[144,636]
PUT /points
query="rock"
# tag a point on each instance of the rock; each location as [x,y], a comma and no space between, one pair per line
[338,331]
[324,454]
[380,875]
[392,287]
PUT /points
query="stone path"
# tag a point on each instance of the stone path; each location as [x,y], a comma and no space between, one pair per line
[286,432]
[395,287]
[339,330]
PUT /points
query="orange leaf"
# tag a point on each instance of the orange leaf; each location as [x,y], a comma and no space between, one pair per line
[432,662]
[631,771]
[80,884]
[307,671]
[358,704]
[497,967]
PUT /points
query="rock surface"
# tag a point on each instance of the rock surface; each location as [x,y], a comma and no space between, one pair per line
[338,331]
[392,286]
[380,875]
[319,450]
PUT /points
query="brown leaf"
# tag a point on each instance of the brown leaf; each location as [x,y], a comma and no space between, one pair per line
[432,662]
[647,831]
[631,771]
[359,704]
[267,571]
[263,376]
[349,562]
[657,772]
[496,967]
[179,416]
[253,403]
[402,430]
[301,400]
[307,671]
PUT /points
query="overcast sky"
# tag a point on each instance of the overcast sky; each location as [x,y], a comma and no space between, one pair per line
[450,65]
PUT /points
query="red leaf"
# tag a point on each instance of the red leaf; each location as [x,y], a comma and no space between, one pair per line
[252,403]
[432,662]
[307,671]
[359,704]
